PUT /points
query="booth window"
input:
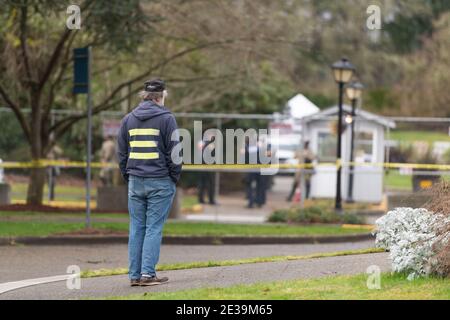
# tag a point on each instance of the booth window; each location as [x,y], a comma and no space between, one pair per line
[364,146]
[326,151]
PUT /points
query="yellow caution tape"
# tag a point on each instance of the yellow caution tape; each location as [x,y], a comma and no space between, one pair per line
[97,165]
[54,163]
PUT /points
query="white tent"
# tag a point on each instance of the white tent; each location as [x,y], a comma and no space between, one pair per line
[299,107]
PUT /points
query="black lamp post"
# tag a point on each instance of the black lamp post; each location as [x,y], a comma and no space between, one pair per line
[354,92]
[343,72]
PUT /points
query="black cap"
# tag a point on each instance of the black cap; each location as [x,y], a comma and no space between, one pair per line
[155,85]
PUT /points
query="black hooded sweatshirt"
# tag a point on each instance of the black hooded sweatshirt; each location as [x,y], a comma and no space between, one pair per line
[145,143]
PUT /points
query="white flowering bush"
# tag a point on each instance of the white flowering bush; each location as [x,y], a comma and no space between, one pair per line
[409,234]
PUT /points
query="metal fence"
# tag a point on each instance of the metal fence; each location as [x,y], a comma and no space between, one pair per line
[416,153]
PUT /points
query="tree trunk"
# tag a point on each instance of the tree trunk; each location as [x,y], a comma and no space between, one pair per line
[37,175]
[36,184]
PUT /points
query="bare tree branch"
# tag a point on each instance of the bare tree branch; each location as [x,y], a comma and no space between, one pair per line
[23,41]
[106,103]
[65,63]
[69,121]
[62,126]
[57,51]
[20,116]
[54,58]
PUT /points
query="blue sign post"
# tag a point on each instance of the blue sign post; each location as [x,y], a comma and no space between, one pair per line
[81,70]
[82,85]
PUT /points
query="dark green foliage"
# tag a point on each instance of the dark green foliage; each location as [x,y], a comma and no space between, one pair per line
[266,96]
[314,215]
[439,6]
[73,142]
[349,218]
[115,24]
[380,99]
[13,146]
[120,24]
[279,216]
[406,32]
[321,100]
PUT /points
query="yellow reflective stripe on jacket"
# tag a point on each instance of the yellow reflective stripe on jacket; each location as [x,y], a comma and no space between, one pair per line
[144,155]
[144,132]
[142,144]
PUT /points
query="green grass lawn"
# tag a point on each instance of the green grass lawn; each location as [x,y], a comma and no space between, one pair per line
[411,136]
[399,182]
[396,181]
[76,193]
[62,192]
[41,228]
[41,216]
[221,229]
[393,287]
[14,228]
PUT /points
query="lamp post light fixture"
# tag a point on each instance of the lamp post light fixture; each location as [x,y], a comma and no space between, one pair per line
[354,92]
[343,72]
[348,119]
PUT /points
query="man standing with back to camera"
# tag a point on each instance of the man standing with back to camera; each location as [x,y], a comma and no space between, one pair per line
[146,138]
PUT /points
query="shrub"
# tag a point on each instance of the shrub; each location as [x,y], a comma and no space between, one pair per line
[313,215]
[409,235]
[352,219]
[440,205]
[278,216]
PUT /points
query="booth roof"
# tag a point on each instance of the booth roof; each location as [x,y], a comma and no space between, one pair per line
[348,109]
[301,107]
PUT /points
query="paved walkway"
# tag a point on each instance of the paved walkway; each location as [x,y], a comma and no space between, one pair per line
[26,262]
[208,277]
[29,262]
[233,208]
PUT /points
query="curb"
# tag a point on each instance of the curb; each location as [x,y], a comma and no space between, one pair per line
[187,240]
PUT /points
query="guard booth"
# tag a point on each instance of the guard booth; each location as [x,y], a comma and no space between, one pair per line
[320,130]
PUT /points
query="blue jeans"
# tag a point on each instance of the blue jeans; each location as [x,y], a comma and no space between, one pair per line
[149,202]
[255,189]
